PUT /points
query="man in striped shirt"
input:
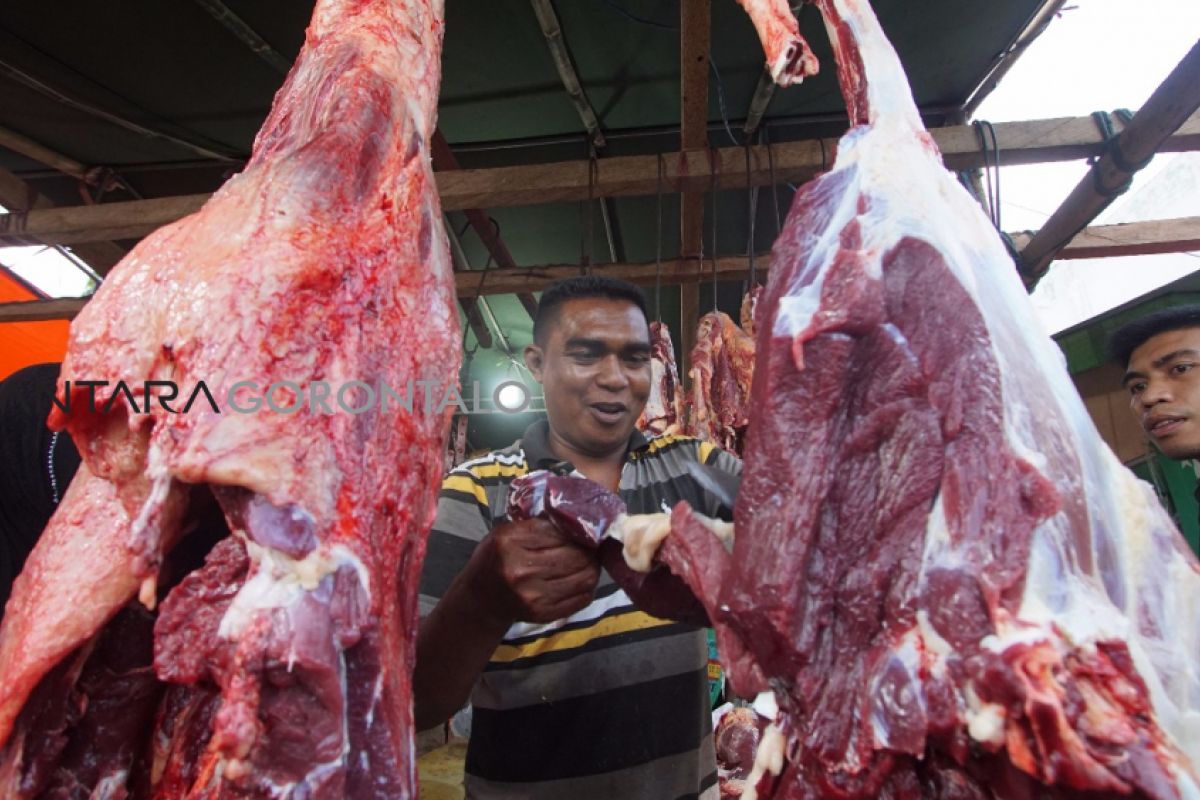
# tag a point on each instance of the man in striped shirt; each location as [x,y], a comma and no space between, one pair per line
[576,693]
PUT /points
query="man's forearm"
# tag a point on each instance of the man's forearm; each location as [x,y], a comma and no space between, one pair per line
[454,644]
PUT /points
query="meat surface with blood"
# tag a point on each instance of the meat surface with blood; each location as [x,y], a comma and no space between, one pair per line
[282,665]
[952,586]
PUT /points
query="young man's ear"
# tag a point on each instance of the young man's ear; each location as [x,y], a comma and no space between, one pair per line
[535,360]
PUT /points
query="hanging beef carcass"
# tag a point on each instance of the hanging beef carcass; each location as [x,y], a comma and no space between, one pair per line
[949,583]
[664,407]
[721,375]
[282,666]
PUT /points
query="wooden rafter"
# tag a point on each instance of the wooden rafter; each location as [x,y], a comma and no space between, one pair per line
[445,161]
[1169,107]
[15,194]
[1134,238]
[27,147]
[552,30]
[1031,142]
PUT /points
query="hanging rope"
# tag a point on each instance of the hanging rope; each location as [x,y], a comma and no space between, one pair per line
[589,220]
[1104,121]
[752,205]
[990,149]
[658,245]
[774,186]
[712,189]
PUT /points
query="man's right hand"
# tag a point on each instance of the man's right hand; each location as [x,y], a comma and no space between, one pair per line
[520,572]
[527,571]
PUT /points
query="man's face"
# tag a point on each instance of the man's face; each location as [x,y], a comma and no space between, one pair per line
[1163,379]
[594,367]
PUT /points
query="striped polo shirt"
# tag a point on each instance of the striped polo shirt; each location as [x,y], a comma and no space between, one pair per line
[609,702]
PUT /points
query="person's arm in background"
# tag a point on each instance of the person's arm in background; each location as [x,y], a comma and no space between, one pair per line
[519,572]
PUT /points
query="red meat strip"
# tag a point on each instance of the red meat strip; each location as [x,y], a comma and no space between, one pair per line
[664,408]
[721,375]
[284,663]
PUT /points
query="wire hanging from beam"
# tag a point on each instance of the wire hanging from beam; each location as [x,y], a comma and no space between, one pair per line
[658,245]
[712,190]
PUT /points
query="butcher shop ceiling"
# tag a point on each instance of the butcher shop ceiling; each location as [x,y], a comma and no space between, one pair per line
[168,94]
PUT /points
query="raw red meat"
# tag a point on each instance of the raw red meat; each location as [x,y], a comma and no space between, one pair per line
[951,585]
[721,375]
[789,58]
[664,408]
[588,514]
[736,739]
[289,653]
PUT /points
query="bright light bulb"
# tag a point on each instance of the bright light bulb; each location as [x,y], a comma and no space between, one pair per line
[512,397]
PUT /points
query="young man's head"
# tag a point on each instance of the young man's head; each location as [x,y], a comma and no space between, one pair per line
[1161,357]
[591,353]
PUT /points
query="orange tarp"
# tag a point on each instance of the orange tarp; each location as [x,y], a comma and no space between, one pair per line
[25,343]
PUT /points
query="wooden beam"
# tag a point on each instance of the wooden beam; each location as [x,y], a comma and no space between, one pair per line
[1180,235]
[1032,142]
[102,222]
[444,160]
[27,147]
[695,30]
[1169,107]
[1104,241]
[41,310]
[1004,61]
[548,20]
[23,200]
[247,35]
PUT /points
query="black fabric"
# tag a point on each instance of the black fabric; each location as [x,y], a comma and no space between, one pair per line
[587,735]
[27,497]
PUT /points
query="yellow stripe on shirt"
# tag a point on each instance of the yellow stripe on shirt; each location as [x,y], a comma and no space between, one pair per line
[461,483]
[457,482]
[567,640]
[499,470]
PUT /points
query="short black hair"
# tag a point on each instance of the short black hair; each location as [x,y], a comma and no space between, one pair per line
[580,287]
[1132,335]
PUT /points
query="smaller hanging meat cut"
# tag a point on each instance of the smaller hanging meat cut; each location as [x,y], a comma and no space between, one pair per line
[721,374]
[664,408]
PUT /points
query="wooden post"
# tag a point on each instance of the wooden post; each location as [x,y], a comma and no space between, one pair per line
[695,23]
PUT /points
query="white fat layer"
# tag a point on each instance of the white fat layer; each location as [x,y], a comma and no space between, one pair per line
[985,721]
[721,529]
[935,646]
[642,535]
[765,705]
[767,758]
[279,581]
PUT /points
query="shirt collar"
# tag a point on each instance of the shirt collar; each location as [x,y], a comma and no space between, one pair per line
[536,444]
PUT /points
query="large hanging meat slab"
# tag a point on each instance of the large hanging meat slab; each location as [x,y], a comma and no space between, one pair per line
[282,665]
[949,582]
